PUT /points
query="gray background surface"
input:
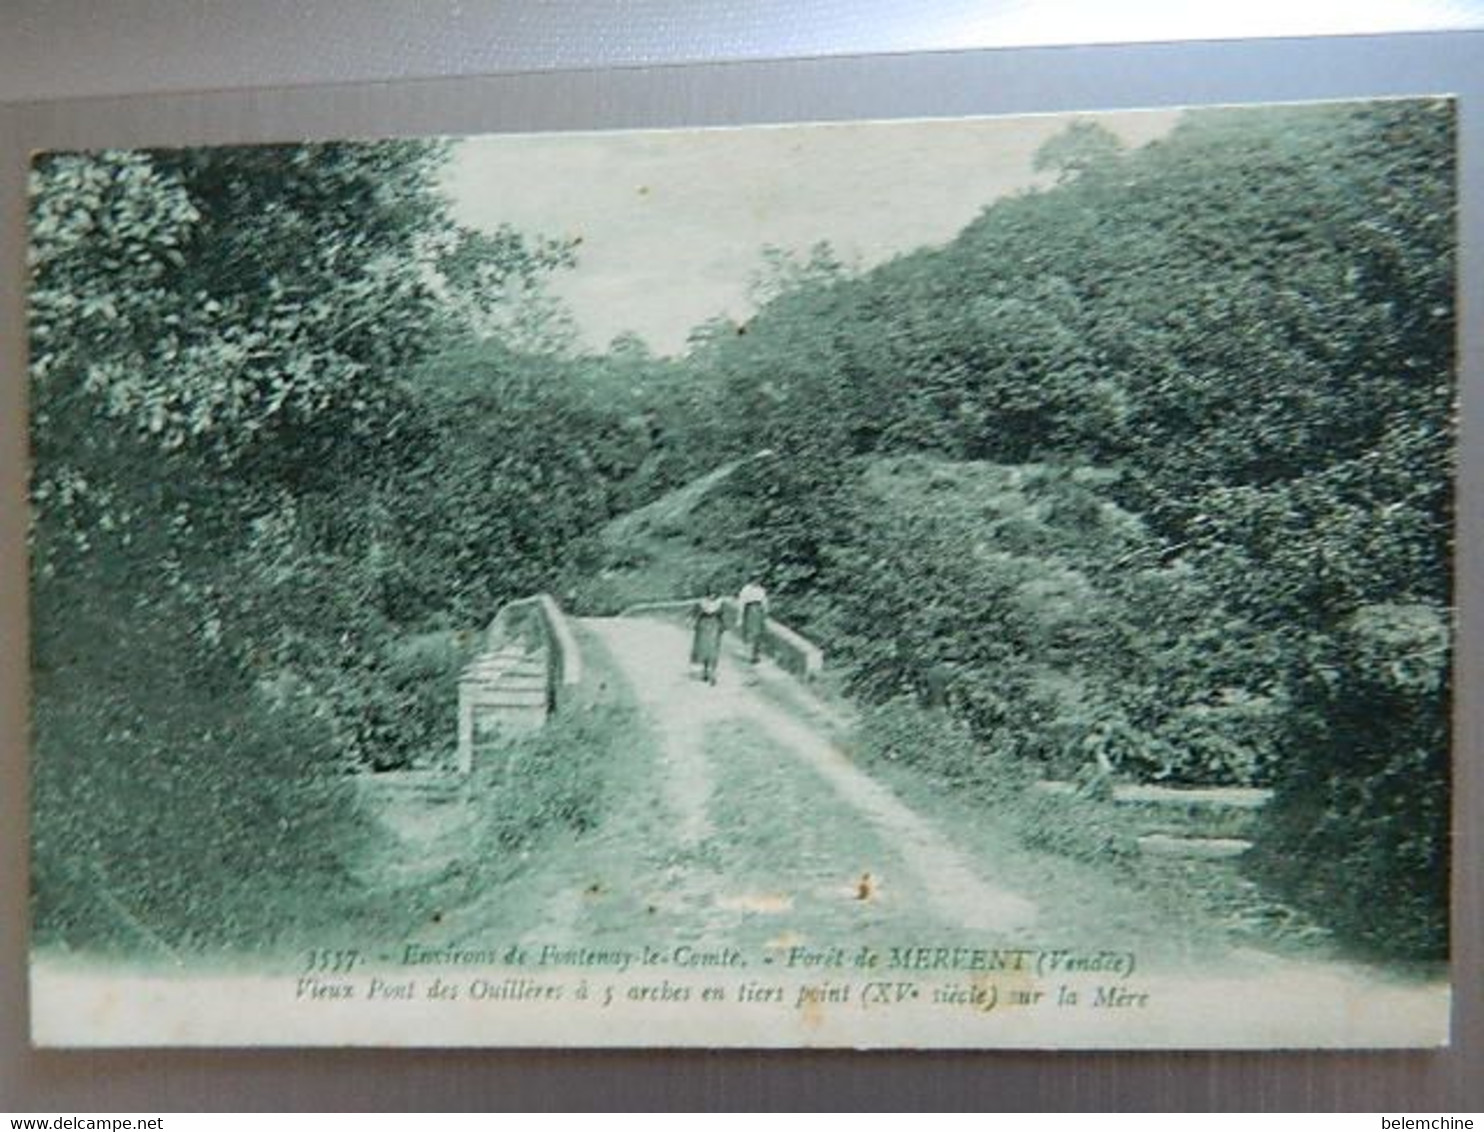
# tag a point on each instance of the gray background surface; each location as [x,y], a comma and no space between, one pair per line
[73,48]
[267,63]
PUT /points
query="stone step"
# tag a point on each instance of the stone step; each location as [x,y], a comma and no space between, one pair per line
[490,693]
[507,652]
[1202,797]
[490,670]
[1202,848]
[485,660]
[1211,797]
[506,722]
[485,675]
[500,703]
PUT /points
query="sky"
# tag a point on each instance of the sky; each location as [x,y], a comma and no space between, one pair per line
[673,223]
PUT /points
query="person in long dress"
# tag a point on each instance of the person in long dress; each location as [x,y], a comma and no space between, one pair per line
[753,602]
[708,623]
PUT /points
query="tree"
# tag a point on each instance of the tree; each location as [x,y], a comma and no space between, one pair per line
[1082,148]
[496,283]
[783,270]
[220,342]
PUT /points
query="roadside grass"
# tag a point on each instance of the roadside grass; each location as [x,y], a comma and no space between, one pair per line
[1081,850]
[1076,856]
[533,798]
[181,826]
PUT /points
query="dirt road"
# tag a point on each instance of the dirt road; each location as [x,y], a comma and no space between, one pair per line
[741,776]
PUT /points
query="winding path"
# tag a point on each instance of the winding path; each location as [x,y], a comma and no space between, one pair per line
[682,710]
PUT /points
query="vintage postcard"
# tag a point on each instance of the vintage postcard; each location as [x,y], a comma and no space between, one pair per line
[942,583]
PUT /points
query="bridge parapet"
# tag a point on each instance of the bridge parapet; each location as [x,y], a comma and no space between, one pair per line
[790,649]
[528,669]
[539,625]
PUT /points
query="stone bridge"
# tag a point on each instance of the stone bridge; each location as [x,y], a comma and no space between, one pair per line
[531,666]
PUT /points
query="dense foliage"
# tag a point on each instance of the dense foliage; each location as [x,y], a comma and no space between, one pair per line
[246,501]
[1179,489]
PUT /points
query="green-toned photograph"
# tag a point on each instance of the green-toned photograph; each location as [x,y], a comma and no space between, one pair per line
[940,583]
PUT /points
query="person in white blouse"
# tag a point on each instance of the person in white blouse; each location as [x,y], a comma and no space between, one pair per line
[752,604]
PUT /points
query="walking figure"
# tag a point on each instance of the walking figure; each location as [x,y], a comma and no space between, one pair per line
[708,623]
[753,602]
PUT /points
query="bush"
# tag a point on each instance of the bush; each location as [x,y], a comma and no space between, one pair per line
[933,742]
[554,778]
[172,815]
[1358,831]
[1082,827]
